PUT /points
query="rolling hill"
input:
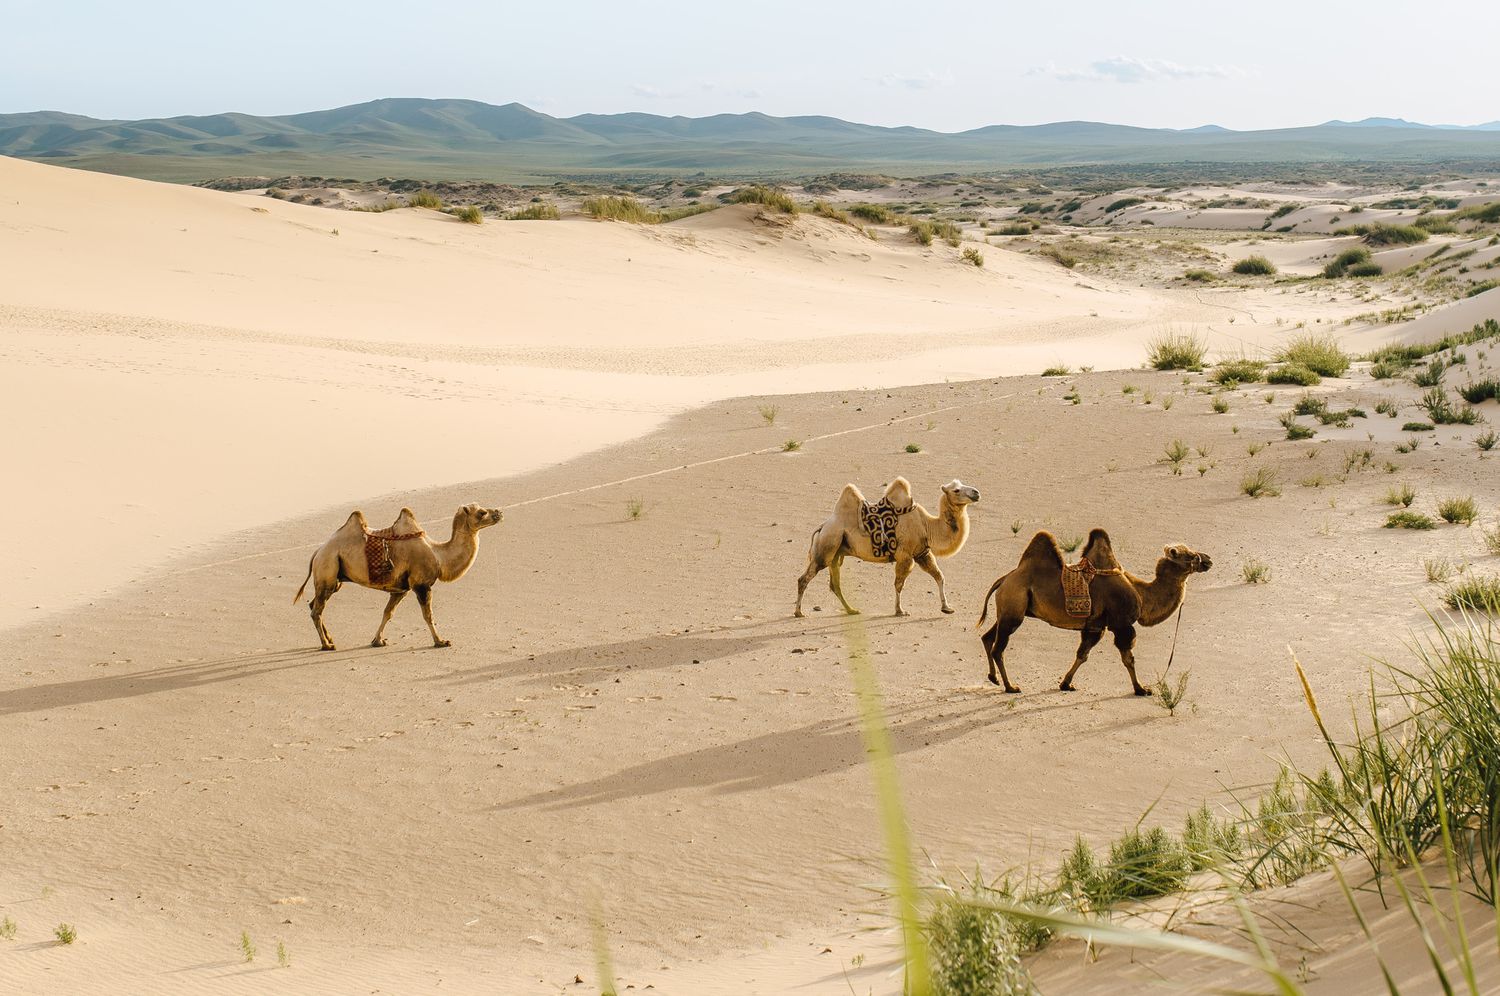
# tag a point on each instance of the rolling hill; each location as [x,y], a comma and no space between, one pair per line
[470,139]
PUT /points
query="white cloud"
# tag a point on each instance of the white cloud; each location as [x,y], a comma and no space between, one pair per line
[1128,69]
[921,81]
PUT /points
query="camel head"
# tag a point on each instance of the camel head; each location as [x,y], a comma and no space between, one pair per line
[960,493]
[1190,561]
[476,518]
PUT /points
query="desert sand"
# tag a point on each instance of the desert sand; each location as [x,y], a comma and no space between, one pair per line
[630,725]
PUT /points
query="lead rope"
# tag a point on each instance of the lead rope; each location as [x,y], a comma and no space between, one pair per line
[1178,629]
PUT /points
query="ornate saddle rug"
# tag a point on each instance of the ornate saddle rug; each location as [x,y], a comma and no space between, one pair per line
[879,520]
[378,552]
[1075,582]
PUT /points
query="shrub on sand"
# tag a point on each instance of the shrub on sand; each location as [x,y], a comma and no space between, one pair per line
[1176,351]
[1255,266]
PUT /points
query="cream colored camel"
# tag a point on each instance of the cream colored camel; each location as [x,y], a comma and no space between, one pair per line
[1121,601]
[920,538]
[417,564]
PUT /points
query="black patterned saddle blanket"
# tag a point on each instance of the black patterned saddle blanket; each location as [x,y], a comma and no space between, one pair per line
[879,520]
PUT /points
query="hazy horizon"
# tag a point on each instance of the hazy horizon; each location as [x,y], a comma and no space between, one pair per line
[944,68]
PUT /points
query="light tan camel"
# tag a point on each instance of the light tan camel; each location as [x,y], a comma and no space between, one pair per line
[416,564]
[920,538]
[1121,601]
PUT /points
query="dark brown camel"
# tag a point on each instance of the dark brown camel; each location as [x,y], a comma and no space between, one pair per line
[1120,601]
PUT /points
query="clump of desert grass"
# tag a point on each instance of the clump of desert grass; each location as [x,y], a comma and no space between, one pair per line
[1261,482]
[469,215]
[1474,593]
[1486,440]
[1255,571]
[1238,371]
[1255,266]
[1438,570]
[1295,429]
[1480,391]
[925,231]
[1459,511]
[1490,538]
[771,197]
[247,946]
[635,507]
[1403,495]
[768,413]
[1200,276]
[875,214]
[1176,351]
[1442,411]
[424,199]
[1344,260]
[1320,353]
[1062,258]
[1057,370]
[7,929]
[1294,373]
[974,257]
[541,211]
[65,933]
[1381,234]
[791,446]
[913,448]
[627,209]
[1408,519]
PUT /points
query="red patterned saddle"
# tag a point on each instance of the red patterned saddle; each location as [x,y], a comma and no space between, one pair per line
[1077,600]
[378,552]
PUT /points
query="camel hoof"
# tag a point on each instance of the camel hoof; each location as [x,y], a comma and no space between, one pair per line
[377,642]
[1065,687]
[1013,691]
[328,647]
[1143,691]
[947,611]
[798,614]
[993,680]
[901,612]
[442,643]
[851,612]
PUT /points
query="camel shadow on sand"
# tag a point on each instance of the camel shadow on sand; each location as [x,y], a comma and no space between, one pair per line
[650,653]
[167,678]
[787,756]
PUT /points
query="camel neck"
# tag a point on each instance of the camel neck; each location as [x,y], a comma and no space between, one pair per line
[455,556]
[1161,597]
[949,530]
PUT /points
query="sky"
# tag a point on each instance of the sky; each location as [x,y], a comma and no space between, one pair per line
[932,64]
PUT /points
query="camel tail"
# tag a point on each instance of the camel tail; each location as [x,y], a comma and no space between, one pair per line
[987,596]
[298,597]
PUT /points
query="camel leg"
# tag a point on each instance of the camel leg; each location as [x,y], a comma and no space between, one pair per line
[1125,644]
[804,580]
[995,640]
[835,583]
[320,598]
[1090,639]
[390,610]
[903,570]
[424,599]
[928,563]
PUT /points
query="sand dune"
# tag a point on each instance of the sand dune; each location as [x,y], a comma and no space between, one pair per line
[629,720]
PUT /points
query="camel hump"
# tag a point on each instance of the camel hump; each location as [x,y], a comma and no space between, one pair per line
[1099,551]
[355,522]
[850,500]
[898,493]
[405,523]
[1043,550]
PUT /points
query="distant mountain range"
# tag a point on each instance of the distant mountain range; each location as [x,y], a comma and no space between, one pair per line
[1403,123]
[468,139]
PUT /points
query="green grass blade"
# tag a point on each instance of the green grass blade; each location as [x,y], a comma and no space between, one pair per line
[882,757]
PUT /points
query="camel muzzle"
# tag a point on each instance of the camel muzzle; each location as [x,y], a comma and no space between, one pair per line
[971,493]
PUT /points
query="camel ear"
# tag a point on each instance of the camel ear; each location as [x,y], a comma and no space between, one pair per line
[1167,551]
